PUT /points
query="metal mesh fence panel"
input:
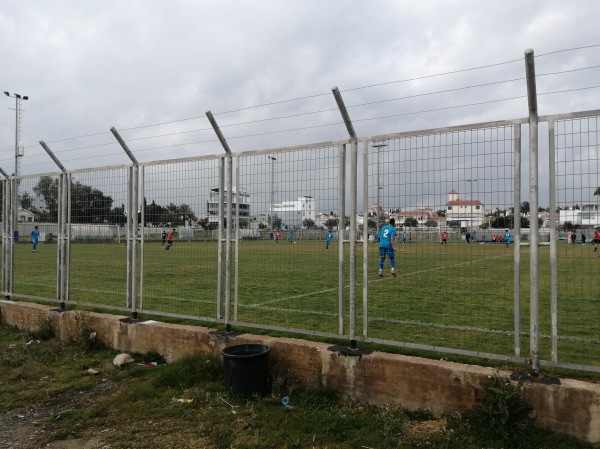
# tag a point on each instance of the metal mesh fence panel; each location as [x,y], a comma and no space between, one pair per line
[451,195]
[98,255]
[288,271]
[577,169]
[34,269]
[180,238]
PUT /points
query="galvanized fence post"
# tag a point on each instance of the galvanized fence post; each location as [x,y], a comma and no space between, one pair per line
[228,219]
[553,243]
[353,195]
[132,225]
[7,274]
[365,208]
[62,248]
[341,234]
[517,243]
[533,207]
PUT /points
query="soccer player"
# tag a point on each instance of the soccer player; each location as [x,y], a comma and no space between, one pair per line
[291,238]
[164,236]
[404,238]
[386,246]
[507,237]
[170,240]
[35,236]
[277,237]
[328,240]
[596,239]
[444,239]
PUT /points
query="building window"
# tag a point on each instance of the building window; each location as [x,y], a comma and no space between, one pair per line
[449,207]
[477,207]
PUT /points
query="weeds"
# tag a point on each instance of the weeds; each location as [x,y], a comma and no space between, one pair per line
[135,405]
[42,330]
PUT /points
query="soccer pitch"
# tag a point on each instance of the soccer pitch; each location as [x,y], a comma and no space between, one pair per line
[458,295]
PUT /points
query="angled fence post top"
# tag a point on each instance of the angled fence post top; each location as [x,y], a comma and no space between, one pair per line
[342,107]
[115,133]
[52,156]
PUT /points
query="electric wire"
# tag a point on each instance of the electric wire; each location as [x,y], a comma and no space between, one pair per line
[328,124]
[328,93]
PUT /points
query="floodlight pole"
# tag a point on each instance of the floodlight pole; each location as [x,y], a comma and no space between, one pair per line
[379,186]
[18,154]
[273,159]
[471,181]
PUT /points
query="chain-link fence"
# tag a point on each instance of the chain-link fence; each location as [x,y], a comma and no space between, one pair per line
[289,239]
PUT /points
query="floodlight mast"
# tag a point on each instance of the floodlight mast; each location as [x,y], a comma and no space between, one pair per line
[19,151]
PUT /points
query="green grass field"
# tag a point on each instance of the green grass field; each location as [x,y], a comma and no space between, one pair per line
[458,296]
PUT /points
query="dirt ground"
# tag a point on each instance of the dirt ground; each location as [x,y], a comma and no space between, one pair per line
[31,427]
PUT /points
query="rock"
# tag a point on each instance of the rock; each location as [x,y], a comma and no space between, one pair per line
[122,359]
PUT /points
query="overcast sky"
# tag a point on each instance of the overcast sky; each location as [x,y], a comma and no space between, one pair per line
[90,65]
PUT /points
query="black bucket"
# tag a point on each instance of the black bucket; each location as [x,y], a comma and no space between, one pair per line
[246,370]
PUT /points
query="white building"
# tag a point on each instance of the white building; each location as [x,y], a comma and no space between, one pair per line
[25,216]
[240,201]
[588,216]
[469,213]
[293,213]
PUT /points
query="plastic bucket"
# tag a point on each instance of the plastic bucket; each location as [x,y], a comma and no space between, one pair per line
[246,370]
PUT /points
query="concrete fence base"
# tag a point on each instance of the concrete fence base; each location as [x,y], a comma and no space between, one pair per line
[571,407]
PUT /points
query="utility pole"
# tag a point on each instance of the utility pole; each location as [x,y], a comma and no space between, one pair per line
[471,181]
[273,159]
[19,151]
[379,186]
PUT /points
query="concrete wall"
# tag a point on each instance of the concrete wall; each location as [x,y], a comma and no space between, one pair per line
[571,407]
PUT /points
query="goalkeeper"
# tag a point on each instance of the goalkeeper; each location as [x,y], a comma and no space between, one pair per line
[386,246]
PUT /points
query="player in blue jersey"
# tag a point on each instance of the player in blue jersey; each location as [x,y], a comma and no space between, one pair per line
[404,235]
[35,236]
[507,237]
[328,240]
[387,238]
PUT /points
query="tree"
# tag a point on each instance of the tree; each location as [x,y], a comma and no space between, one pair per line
[276,221]
[431,224]
[331,223]
[88,204]
[411,222]
[25,201]
[47,188]
[525,207]
[440,213]
[308,223]
[152,212]
[502,222]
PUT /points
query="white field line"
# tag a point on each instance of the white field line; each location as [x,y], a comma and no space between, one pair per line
[329,290]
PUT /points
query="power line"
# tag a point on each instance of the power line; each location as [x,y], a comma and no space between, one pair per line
[436,92]
[327,94]
[567,49]
[440,109]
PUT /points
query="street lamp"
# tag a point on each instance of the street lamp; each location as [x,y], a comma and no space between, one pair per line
[273,159]
[471,181]
[18,153]
[379,186]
